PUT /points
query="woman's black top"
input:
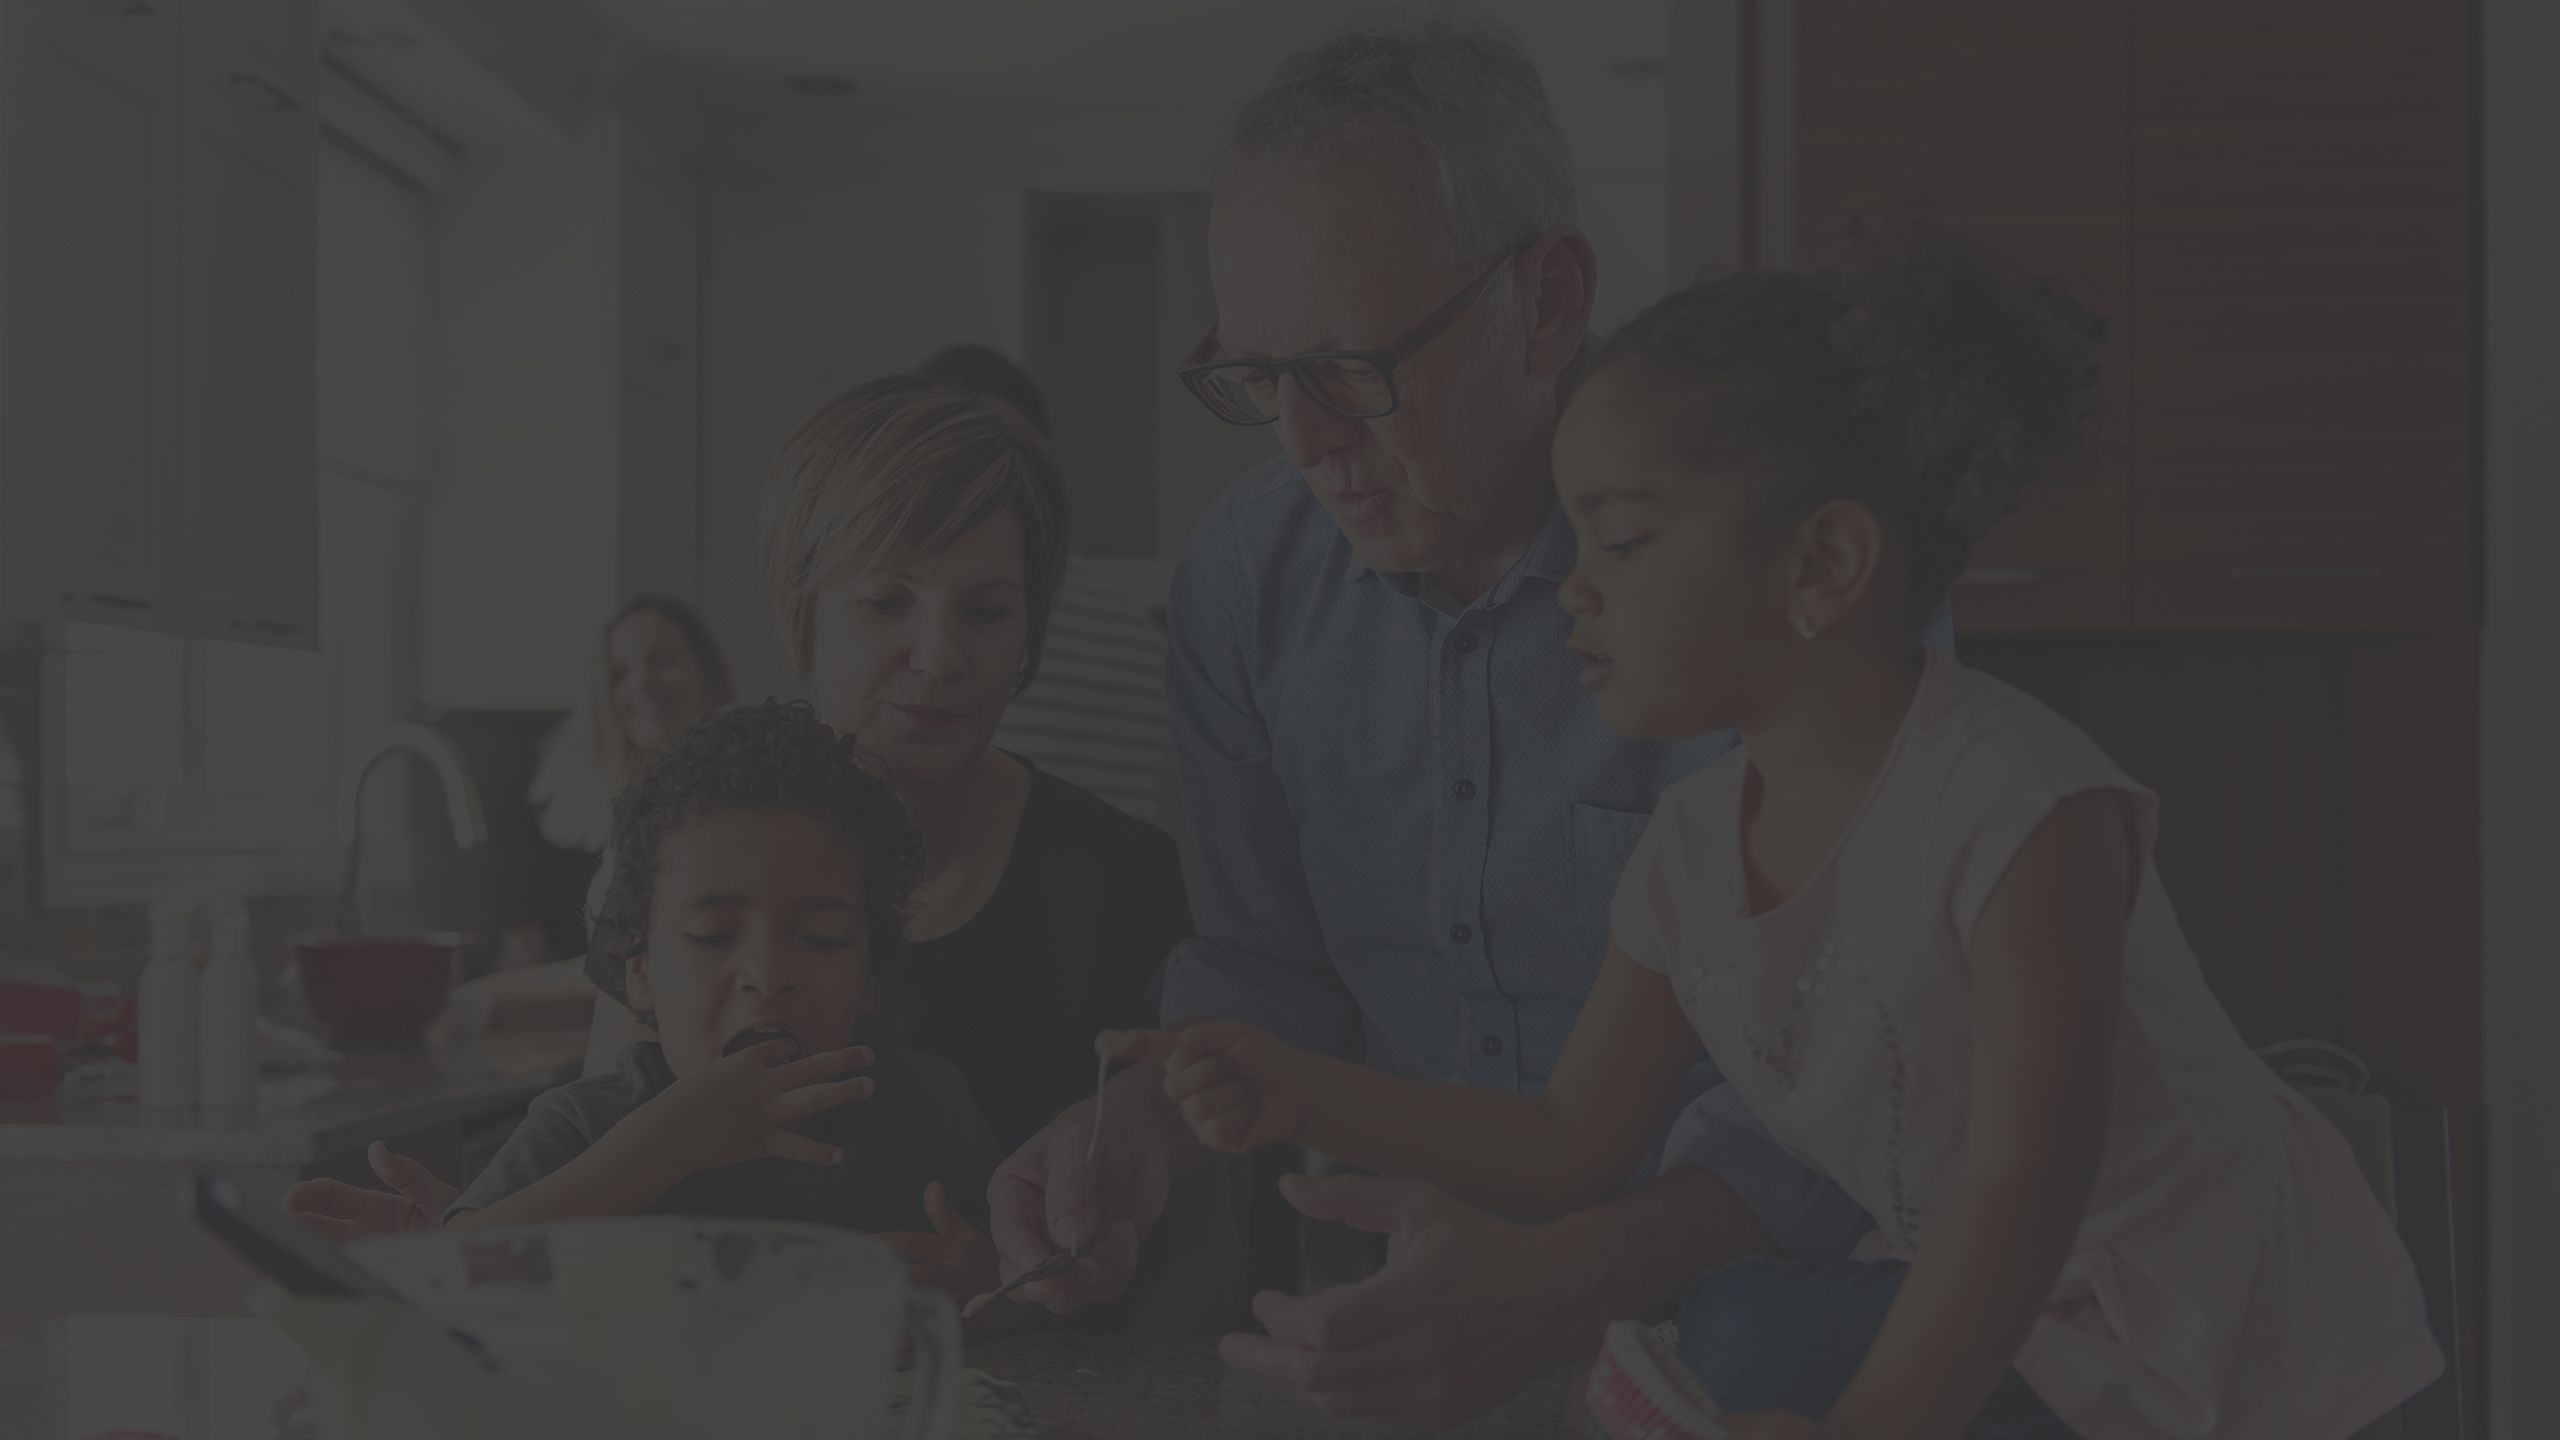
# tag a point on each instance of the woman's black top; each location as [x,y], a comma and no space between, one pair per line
[1071,942]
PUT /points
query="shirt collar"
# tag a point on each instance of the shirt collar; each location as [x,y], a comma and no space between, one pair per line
[1549,558]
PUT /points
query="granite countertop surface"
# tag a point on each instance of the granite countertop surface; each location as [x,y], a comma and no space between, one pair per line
[308,1118]
[1129,1387]
[233,1378]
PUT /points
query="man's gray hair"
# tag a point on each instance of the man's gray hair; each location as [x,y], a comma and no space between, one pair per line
[1459,90]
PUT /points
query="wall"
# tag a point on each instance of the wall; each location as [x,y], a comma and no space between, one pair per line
[2522,694]
[809,291]
[842,244]
[1092,342]
[519,546]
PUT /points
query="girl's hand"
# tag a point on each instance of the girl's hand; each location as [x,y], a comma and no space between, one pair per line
[1771,1425]
[741,1107]
[1239,1089]
[956,1258]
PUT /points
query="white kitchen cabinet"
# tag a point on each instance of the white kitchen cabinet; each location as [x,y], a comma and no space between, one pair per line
[158,250]
[260,51]
[88,304]
[249,463]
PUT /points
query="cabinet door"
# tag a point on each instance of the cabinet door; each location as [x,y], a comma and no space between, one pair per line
[251,457]
[2008,121]
[87,294]
[258,52]
[2302,287]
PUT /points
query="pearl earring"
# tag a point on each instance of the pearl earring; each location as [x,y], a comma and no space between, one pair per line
[1804,627]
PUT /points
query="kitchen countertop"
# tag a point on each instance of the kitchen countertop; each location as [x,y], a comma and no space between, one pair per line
[224,1377]
[311,1118]
[1130,1387]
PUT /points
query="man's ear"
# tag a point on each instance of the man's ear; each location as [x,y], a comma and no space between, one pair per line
[1840,551]
[1561,277]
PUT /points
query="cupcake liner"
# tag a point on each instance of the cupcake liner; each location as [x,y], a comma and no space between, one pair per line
[1639,1390]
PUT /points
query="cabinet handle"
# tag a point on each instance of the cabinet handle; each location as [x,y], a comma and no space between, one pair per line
[113,602]
[138,9]
[2308,572]
[281,629]
[2001,575]
[248,88]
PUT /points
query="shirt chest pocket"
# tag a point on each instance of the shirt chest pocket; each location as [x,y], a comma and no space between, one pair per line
[1602,841]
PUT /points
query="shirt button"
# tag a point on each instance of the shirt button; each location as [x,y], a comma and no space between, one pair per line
[1491,1045]
[1461,934]
[1464,789]
[1466,644]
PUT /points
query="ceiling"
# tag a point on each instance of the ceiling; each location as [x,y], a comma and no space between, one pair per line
[1116,52]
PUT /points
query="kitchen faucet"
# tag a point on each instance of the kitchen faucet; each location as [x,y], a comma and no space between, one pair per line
[461,802]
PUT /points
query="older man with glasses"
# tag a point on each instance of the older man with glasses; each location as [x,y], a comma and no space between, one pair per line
[1409,818]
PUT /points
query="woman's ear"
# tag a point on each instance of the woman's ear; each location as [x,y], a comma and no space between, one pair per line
[1840,552]
[635,981]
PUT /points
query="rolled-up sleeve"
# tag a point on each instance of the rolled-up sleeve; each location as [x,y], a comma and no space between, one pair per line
[1259,955]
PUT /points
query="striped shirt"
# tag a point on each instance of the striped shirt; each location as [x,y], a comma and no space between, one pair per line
[1095,716]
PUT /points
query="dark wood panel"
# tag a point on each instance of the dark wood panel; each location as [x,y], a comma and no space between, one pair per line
[2374,64]
[1984,167]
[2240,169]
[2386,361]
[1952,64]
[2401,252]
[2250,400]
[2303,568]
[2051,567]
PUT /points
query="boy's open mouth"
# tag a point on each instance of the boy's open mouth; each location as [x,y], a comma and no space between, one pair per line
[758,1034]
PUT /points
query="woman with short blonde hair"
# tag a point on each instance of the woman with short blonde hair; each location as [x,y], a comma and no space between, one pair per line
[914,536]
[902,467]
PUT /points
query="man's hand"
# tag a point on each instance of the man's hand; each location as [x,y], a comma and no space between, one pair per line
[1046,1198]
[1239,1088]
[1468,1310]
[416,1200]
[955,1259]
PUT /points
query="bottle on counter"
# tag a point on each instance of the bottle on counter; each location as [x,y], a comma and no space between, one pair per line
[227,1011]
[167,1002]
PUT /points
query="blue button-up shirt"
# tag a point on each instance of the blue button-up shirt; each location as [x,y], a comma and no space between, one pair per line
[1407,823]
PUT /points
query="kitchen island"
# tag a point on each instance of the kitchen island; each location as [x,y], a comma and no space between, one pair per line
[90,1218]
[237,1378]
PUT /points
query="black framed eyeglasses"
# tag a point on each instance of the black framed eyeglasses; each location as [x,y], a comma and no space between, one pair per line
[1355,384]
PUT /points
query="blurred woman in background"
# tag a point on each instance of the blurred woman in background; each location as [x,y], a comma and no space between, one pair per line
[656,671]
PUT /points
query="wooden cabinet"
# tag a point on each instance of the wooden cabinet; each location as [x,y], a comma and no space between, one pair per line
[2272,203]
[88,296]
[252,234]
[2302,306]
[158,248]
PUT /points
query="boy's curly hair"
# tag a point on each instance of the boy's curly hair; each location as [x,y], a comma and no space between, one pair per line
[1925,382]
[773,756]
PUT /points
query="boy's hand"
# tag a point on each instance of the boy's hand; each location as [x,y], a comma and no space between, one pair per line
[741,1107]
[416,1200]
[956,1258]
[1239,1089]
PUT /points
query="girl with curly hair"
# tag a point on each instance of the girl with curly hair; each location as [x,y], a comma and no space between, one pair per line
[1914,919]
